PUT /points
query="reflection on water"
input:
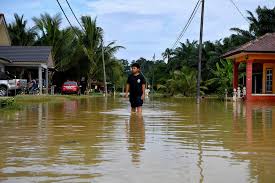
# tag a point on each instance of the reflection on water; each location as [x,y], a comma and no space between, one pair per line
[136,136]
[174,140]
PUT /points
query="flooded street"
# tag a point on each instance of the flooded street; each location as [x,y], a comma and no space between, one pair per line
[175,140]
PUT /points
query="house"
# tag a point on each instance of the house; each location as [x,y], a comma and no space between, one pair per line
[259,57]
[29,62]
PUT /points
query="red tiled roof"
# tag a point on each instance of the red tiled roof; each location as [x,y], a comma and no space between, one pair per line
[263,44]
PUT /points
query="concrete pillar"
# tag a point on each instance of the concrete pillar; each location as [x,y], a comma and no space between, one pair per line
[235,75]
[47,79]
[249,70]
[40,79]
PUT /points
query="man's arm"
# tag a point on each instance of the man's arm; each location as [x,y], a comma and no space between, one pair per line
[143,92]
[127,90]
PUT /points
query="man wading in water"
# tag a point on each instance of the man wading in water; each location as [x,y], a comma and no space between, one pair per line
[136,86]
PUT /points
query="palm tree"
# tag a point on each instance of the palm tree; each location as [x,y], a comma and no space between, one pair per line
[91,40]
[50,34]
[48,28]
[261,23]
[114,69]
[183,82]
[184,55]
[19,33]
[167,54]
[92,43]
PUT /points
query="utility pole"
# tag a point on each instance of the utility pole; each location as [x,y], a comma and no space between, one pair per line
[104,72]
[153,91]
[154,59]
[200,54]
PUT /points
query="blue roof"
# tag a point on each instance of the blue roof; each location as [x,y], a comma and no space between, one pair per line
[25,53]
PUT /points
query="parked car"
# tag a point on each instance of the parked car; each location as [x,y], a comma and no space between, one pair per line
[70,87]
[8,84]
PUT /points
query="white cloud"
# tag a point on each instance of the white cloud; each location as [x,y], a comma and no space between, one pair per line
[142,7]
[143,25]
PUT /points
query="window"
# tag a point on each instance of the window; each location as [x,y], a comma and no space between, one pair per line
[70,83]
[269,80]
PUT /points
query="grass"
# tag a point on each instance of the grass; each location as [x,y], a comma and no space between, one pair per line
[8,103]
[15,103]
[49,98]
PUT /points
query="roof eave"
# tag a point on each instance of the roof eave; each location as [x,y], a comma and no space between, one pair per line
[229,55]
[5,59]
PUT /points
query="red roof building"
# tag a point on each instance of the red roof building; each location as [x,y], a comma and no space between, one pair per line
[259,56]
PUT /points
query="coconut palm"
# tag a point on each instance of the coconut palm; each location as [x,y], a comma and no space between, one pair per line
[91,39]
[48,28]
[167,54]
[261,23]
[184,55]
[114,69]
[19,33]
[92,43]
[50,34]
[184,82]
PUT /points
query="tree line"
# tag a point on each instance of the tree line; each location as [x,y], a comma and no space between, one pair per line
[178,75]
[78,53]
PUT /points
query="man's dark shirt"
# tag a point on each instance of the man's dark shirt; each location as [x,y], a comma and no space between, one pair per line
[136,83]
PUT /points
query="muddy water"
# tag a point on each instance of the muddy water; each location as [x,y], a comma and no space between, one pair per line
[175,140]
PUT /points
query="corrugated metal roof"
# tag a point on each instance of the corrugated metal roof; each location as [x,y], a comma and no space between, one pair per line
[26,53]
[263,44]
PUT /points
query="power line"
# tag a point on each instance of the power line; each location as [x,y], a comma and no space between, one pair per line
[67,18]
[187,24]
[74,15]
[238,9]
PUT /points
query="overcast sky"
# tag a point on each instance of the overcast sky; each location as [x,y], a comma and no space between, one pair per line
[144,27]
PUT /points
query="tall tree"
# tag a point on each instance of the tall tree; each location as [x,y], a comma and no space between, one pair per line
[50,34]
[167,54]
[19,33]
[261,23]
[92,43]
[91,40]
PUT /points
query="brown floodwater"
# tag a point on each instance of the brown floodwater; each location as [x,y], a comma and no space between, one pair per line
[174,140]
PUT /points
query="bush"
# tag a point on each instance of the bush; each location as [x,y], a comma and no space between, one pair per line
[6,102]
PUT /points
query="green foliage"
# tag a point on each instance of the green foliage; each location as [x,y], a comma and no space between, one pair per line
[261,23]
[223,75]
[183,82]
[19,33]
[80,55]
[50,34]
[8,103]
